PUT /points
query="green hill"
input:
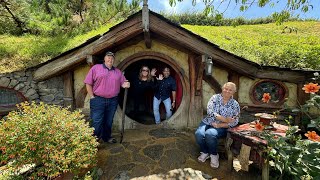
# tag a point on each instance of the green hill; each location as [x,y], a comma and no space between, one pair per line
[297,46]
[294,44]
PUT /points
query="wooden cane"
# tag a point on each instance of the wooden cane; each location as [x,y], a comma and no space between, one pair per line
[124,112]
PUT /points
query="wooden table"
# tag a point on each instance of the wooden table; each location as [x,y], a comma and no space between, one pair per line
[246,134]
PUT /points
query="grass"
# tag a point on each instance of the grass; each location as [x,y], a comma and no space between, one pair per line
[264,44]
[269,44]
[21,52]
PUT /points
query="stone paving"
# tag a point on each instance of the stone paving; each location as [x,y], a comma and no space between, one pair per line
[155,152]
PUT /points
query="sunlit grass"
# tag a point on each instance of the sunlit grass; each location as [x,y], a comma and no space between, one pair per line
[267,43]
[264,44]
[21,52]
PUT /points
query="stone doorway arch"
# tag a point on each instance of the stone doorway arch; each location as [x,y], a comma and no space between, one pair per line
[131,66]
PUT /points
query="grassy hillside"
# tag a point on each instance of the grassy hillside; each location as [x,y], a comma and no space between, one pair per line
[264,44]
[269,44]
[21,52]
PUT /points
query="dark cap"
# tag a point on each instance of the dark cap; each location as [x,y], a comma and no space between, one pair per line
[109,53]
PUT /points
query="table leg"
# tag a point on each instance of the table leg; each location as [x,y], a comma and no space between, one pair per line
[265,169]
[229,153]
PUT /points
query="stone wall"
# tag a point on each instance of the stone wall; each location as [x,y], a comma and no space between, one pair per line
[49,91]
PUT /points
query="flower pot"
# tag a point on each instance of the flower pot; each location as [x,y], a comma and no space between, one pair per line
[266,119]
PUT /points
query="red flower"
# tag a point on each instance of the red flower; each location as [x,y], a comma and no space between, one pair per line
[311,88]
[313,136]
[259,127]
[266,97]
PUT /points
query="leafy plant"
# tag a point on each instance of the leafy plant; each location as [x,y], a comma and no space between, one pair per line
[49,139]
[291,155]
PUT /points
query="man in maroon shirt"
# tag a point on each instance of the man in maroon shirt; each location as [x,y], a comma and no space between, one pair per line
[103,86]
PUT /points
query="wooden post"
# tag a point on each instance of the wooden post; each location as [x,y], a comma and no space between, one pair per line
[302,98]
[195,106]
[229,152]
[234,77]
[68,89]
[145,24]
[265,169]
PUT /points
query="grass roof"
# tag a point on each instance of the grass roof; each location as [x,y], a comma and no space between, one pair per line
[294,46]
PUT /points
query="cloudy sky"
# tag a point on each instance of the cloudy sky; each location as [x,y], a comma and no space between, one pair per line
[231,11]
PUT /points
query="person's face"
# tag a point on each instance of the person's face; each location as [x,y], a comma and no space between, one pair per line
[227,91]
[108,60]
[145,71]
[166,72]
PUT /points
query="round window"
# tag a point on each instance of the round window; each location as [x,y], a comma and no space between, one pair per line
[10,97]
[277,91]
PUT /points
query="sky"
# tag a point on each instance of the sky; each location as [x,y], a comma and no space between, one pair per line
[232,10]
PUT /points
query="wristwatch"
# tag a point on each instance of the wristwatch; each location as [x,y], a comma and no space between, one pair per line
[92,97]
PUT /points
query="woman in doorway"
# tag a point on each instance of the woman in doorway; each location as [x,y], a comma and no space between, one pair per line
[140,87]
[223,112]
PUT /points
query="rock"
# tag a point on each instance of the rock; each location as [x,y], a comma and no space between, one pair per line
[173,159]
[143,159]
[154,152]
[47,91]
[19,86]
[126,167]
[30,92]
[42,85]
[23,79]
[139,170]
[118,149]
[161,133]
[13,83]
[122,176]
[4,81]
[33,97]
[47,98]
[19,73]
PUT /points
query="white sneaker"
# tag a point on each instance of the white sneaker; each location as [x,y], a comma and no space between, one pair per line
[203,157]
[214,163]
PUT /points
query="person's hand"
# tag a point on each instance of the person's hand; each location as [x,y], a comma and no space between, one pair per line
[215,125]
[153,72]
[160,77]
[230,119]
[126,84]
[173,104]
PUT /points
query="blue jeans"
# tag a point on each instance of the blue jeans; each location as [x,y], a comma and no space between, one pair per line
[102,111]
[156,105]
[207,137]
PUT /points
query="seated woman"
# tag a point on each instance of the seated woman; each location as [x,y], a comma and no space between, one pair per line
[140,86]
[223,112]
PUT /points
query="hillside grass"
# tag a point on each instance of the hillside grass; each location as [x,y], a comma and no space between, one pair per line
[264,44]
[21,52]
[269,44]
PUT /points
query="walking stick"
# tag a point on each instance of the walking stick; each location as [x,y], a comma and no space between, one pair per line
[123,112]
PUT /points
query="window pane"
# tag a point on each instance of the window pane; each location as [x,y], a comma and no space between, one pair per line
[276,91]
[9,97]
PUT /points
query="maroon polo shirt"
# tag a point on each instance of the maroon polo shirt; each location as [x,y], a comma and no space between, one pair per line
[105,82]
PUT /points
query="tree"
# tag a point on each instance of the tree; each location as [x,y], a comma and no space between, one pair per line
[291,6]
[13,17]
[54,17]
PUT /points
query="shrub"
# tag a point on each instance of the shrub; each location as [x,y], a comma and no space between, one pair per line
[48,137]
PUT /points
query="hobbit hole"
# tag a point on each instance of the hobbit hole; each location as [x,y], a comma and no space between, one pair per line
[144,111]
